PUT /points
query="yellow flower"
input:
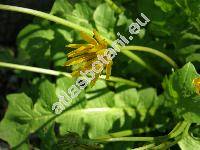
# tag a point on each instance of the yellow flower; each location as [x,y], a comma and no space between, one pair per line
[196,83]
[86,54]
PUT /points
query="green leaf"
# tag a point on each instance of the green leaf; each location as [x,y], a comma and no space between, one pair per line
[189,143]
[165,6]
[100,104]
[63,84]
[76,120]
[158,24]
[58,47]
[191,9]
[99,96]
[191,36]
[123,22]
[23,118]
[81,15]
[126,96]
[6,54]
[48,133]
[47,94]
[17,119]
[34,44]
[189,49]
[148,103]
[59,59]
[182,93]
[61,8]
[105,20]
[82,10]
[193,57]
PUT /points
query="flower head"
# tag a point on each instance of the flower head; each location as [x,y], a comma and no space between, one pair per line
[196,83]
[86,55]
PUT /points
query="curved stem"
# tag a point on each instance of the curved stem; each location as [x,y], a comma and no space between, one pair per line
[50,18]
[153,51]
[76,27]
[129,132]
[46,16]
[177,131]
[117,79]
[58,73]
[166,145]
[116,8]
[141,62]
[145,147]
[116,134]
[33,69]
[176,134]
[126,139]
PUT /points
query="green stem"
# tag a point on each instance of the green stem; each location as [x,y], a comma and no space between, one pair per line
[163,146]
[50,18]
[117,9]
[176,133]
[145,147]
[58,73]
[117,134]
[178,129]
[126,139]
[129,132]
[46,16]
[117,79]
[34,69]
[73,26]
[166,145]
[153,51]
[141,62]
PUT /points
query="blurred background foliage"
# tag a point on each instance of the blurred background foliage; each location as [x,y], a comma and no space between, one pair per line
[107,107]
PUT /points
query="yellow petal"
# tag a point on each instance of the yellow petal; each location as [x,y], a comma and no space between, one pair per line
[88,65]
[77,45]
[99,39]
[93,50]
[92,83]
[196,83]
[84,67]
[79,59]
[79,51]
[88,38]
[75,73]
[108,70]
[96,49]
[101,52]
